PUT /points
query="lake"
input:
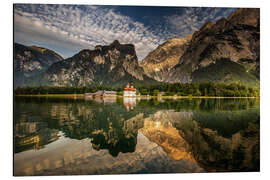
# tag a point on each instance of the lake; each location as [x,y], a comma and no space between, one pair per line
[77,136]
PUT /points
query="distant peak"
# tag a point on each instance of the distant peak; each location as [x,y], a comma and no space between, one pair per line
[37,48]
[247,16]
[115,42]
[98,47]
[207,25]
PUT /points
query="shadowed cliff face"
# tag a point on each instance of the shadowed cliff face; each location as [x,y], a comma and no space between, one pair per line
[235,38]
[115,64]
[203,56]
[30,61]
[159,62]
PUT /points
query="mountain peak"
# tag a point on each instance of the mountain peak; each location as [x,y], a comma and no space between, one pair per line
[114,64]
[247,16]
[115,43]
[31,61]
[158,62]
[207,26]
[228,48]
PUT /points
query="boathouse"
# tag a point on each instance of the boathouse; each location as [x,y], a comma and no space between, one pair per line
[101,93]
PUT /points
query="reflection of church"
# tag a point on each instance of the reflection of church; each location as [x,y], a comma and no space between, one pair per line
[129,103]
[129,90]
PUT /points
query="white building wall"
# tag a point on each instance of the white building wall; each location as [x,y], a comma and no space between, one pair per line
[129,93]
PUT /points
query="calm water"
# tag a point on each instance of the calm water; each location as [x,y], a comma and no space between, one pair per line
[58,136]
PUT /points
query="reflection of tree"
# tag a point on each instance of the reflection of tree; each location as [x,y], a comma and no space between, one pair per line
[200,104]
[227,123]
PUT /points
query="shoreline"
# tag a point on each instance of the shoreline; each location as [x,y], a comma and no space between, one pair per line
[143,97]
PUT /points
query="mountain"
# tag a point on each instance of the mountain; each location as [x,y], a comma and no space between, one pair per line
[30,61]
[235,40]
[159,62]
[113,65]
[227,51]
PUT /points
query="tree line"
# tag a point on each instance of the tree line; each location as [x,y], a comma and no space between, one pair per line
[179,89]
[201,89]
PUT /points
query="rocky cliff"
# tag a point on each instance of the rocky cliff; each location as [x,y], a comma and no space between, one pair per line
[235,39]
[30,61]
[114,65]
[159,62]
[228,50]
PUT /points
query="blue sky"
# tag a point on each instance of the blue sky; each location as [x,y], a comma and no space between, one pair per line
[67,29]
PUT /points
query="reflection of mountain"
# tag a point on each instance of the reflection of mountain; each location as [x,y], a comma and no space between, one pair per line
[237,150]
[33,135]
[122,138]
[77,157]
[200,138]
[218,135]
[164,134]
[28,128]
[107,125]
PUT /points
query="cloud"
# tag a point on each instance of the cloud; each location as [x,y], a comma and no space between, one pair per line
[79,28]
[68,29]
[192,19]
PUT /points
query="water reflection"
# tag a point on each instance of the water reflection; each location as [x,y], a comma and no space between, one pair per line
[100,99]
[135,136]
[33,135]
[129,103]
[162,132]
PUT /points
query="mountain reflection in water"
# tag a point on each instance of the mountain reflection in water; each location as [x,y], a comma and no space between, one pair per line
[57,136]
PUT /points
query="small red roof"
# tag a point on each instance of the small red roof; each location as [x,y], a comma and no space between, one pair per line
[129,89]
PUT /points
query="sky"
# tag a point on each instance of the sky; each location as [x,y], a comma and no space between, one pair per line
[67,29]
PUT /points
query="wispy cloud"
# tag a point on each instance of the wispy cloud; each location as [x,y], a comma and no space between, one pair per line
[70,28]
[192,19]
[77,27]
